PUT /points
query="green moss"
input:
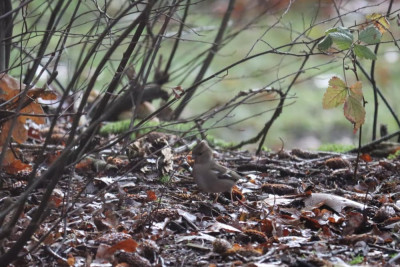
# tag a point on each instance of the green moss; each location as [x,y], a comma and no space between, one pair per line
[357,260]
[219,142]
[335,148]
[165,179]
[395,155]
[119,127]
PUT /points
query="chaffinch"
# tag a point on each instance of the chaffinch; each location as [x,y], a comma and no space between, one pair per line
[208,174]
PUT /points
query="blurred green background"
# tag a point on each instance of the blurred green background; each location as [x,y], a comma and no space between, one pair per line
[303,123]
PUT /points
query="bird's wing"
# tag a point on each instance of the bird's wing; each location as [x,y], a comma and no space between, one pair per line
[224,173]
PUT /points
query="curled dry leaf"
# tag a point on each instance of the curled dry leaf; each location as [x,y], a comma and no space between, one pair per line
[221,246]
[336,203]
[132,259]
[337,163]
[255,235]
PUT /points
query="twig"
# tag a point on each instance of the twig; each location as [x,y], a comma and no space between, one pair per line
[213,50]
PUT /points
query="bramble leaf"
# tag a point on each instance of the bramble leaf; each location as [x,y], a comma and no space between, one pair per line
[325,43]
[341,36]
[354,110]
[335,94]
[380,21]
[364,52]
[356,91]
[342,30]
[370,35]
[342,40]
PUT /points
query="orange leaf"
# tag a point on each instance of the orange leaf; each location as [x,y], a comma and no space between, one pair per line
[85,164]
[8,158]
[40,93]
[71,260]
[129,245]
[55,200]
[10,90]
[16,167]
[151,195]
[19,133]
[366,157]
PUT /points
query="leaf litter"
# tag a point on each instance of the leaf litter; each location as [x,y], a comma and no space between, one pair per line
[291,208]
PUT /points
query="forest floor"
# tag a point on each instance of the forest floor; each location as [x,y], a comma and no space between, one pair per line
[291,208]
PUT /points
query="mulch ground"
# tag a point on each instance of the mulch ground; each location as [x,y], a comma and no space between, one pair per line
[291,208]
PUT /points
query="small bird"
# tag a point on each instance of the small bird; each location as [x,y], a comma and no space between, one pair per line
[208,174]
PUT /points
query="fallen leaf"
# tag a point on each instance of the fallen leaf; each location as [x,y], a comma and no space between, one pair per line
[151,195]
[10,90]
[336,203]
[128,245]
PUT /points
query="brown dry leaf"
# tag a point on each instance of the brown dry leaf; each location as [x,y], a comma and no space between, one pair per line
[278,189]
[310,223]
[12,165]
[354,221]
[10,89]
[132,259]
[237,194]
[337,163]
[40,93]
[85,164]
[128,245]
[255,235]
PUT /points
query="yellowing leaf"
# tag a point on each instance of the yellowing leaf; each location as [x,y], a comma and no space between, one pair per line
[356,91]
[335,94]
[379,21]
[354,111]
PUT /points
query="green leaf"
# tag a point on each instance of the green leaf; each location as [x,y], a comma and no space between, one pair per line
[345,31]
[342,40]
[331,30]
[335,94]
[325,43]
[340,29]
[354,111]
[370,35]
[364,52]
